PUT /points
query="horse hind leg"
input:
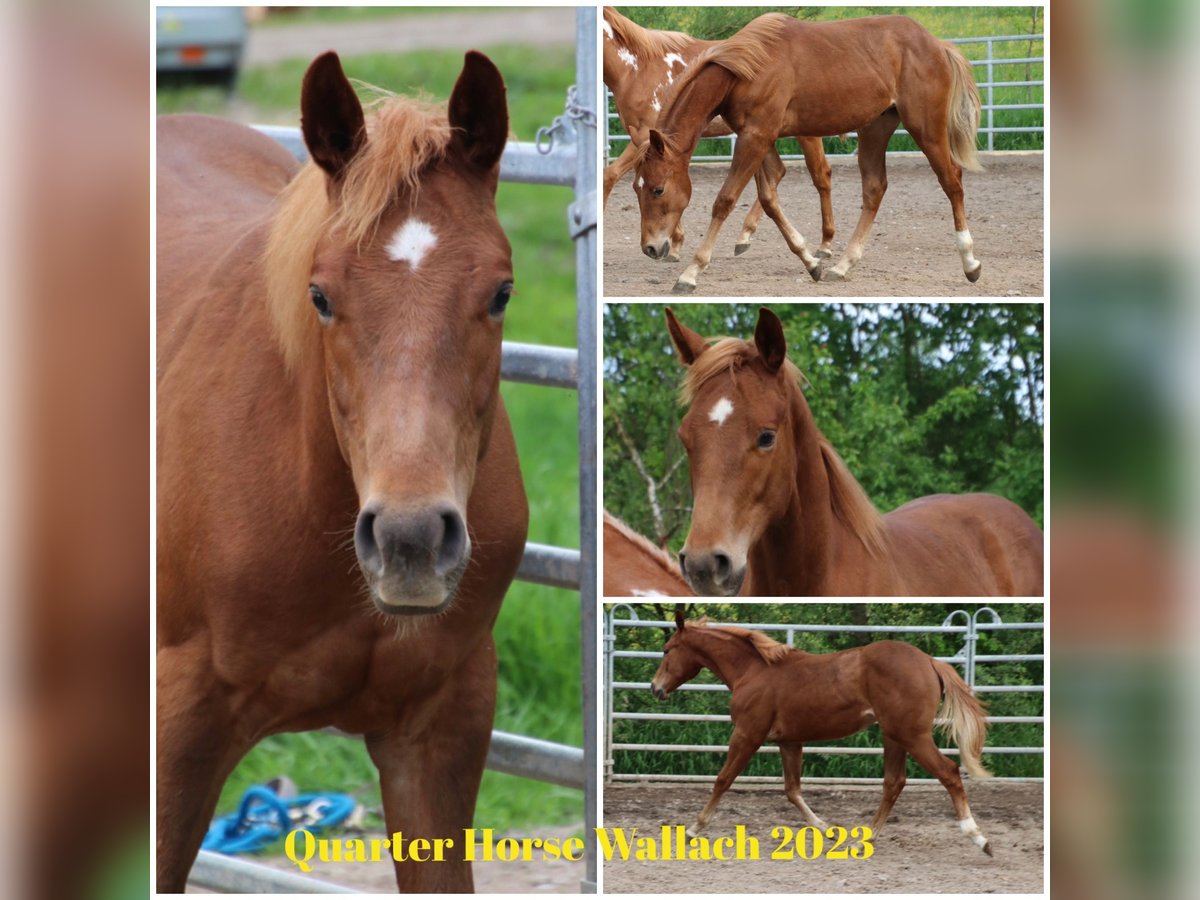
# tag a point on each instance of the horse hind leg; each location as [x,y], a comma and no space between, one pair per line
[793,763]
[933,761]
[822,178]
[872,167]
[895,775]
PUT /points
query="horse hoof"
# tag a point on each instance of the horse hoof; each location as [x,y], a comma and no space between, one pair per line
[824,254]
[815,272]
[739,249]
[833,275]
[974,276]
[682,287]
[987,848]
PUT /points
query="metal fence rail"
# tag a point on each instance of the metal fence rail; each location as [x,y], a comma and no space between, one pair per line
[551,162]
[987,88]
[983,620]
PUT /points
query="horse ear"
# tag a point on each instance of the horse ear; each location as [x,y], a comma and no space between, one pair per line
[769,339]
[679,622]
[658,144]
[479,111]
[688,344]
[331,117]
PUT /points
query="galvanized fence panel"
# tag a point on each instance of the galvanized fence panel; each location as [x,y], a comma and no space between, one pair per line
[553,160]
[614,134]
[984,619]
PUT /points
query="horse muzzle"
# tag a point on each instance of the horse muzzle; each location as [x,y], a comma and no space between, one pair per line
[712,574]
[658,692]
[412,559]
[657,251]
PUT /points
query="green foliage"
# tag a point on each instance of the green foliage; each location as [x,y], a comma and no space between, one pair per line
[918,399]
[641,731]
[718,23]
[537,634]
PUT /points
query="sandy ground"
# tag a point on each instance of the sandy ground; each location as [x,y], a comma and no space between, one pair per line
[920,851]
[910,253]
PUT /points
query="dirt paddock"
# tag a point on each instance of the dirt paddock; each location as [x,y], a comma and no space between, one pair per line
[921,850]
[910,253]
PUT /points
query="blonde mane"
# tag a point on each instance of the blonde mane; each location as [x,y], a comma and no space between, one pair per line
[643,42]
[404,137]
[664,559]
[849,501]
[744,54]
[768,648]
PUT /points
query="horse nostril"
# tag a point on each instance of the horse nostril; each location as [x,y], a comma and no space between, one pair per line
[723,566]
[454,542]
[650,251]
[365,543]
[682,561]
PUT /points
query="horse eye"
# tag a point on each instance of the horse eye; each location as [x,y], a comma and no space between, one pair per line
[500,301]
[321,302]
[658,191]
[766,439]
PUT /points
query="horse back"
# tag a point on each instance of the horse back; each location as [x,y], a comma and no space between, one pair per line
[968,545]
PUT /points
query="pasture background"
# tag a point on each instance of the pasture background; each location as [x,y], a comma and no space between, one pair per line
[917,398]
[686,763]
[537,634]
[718,23]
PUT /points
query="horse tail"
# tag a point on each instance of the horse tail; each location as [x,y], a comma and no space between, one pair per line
[965,108]
[962,717]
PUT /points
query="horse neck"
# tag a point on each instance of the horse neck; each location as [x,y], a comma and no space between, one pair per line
[795,555]
[729,659]
[695,105]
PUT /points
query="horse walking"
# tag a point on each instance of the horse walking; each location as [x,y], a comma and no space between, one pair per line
[786,696]
[329,342]
[773,502]
[640,66]
[780,77]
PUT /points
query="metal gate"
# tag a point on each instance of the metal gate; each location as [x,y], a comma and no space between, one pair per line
[565,154]
[969,625]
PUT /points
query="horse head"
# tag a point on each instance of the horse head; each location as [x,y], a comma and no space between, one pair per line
[664,188]
[680,662]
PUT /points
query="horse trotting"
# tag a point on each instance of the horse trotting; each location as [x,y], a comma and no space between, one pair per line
[780,77]
[329,341]
[786,696]
[773,504]
[640,66]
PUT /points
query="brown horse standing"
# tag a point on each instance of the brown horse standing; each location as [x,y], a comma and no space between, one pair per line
[772,496]
[634,567]
[329,360]
[780,77]
[640,66]
[787,696]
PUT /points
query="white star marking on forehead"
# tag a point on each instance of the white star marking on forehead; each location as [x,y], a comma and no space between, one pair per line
[412,242]
[720,411]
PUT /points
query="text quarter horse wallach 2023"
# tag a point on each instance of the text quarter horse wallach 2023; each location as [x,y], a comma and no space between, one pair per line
[776,513]
[329,341]
[780,77]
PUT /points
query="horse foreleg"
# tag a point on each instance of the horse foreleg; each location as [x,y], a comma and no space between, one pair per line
[793,763]
[768,177]
[894,777]
[430,765]
[747,157]
[616,169]
[933,761]
[741,749]
[872,151]
[197,749]
[822,179]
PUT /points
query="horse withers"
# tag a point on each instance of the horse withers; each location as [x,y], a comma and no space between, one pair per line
[329,341]
[783,695]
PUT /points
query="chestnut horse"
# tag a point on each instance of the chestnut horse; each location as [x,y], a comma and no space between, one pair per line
[780,77]
[640,66]
[634,567]
[771,496]
[329,359]
[786,696]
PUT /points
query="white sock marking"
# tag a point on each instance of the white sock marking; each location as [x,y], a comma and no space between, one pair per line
[720,411]
[966,249]
[411,242]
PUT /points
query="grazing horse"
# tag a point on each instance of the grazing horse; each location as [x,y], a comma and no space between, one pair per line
[780,77]
[329,361]
[640,66]
[771,496]
[634,567]
[786,696]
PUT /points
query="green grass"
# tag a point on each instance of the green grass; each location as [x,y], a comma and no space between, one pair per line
[537,633]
